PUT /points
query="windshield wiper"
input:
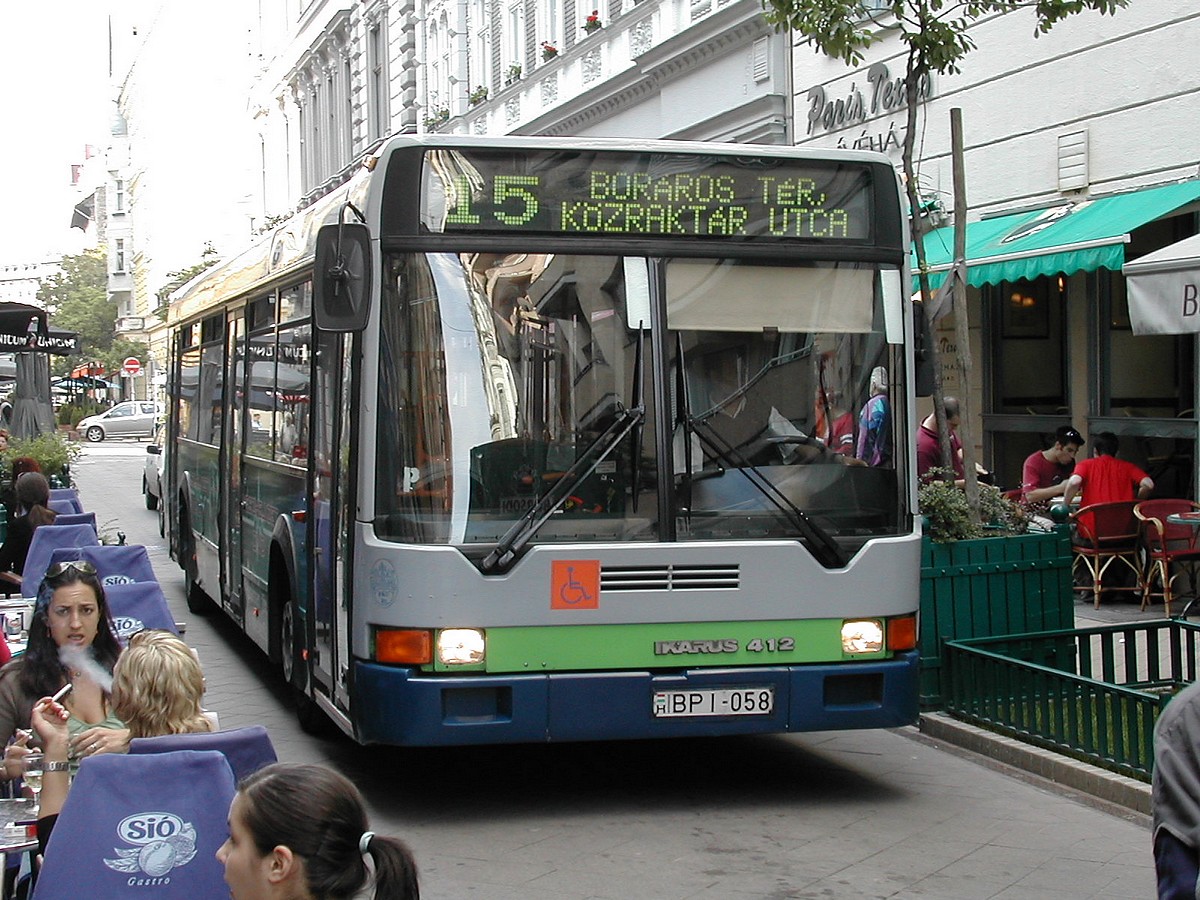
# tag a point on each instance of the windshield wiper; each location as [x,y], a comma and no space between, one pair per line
[828,551]
[523,530]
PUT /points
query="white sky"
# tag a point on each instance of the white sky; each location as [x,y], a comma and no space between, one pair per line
[54,99]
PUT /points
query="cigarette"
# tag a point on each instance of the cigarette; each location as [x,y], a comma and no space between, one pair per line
[62,692]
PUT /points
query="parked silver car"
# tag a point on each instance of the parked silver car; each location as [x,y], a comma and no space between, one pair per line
[133,418]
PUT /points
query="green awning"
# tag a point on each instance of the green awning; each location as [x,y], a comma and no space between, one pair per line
[1075,236]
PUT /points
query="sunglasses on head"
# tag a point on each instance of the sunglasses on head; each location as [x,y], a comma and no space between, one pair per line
[82,566]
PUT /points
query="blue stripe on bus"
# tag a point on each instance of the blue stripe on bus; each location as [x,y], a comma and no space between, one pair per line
[396,705]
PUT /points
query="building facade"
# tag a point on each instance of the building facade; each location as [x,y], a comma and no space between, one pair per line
[337,77]
[180,161]
[1079,155]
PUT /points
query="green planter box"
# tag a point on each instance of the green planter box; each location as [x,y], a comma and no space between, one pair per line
[990,587]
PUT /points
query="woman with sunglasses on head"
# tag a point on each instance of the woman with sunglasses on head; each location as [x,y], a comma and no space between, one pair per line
[325,854]
[71,639]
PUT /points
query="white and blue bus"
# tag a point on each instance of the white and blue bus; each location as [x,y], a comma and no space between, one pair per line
[520,439]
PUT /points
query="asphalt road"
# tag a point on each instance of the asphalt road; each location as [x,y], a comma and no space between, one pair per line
[828,815]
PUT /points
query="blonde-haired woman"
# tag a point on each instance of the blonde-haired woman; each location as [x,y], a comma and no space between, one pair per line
[158,686]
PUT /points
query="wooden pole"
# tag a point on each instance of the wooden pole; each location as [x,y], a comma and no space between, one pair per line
[959,300]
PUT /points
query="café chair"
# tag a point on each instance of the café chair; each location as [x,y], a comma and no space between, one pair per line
[65,494]
[137,606]
[88,518]
[65,506]
[47,539]
[136,825]
[115,563]
[1167,545]
[247,749]
[1107,534]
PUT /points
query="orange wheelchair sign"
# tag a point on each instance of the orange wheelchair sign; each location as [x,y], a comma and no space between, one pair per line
[575,584]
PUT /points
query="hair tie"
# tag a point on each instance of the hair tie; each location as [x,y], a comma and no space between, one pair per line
[364,842]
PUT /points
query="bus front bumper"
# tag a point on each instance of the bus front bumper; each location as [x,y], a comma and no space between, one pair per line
[401,706]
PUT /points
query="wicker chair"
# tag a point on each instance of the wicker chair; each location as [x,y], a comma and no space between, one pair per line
[1167,545]
[1107,533]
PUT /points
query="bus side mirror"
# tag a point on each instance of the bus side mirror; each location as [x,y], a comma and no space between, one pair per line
[342,279]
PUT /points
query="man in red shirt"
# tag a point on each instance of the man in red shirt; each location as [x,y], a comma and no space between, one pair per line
[1106,479]
[929,448]
[1045,473]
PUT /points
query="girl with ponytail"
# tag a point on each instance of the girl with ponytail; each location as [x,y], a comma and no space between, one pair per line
[326,852]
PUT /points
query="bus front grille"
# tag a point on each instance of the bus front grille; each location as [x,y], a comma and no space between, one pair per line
[669,578]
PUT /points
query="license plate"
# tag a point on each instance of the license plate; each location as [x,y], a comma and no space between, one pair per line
[750,701]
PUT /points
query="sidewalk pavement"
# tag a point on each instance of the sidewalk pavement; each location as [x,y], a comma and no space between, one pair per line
[1104,787]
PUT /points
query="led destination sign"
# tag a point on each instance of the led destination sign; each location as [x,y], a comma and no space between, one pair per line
[622,194]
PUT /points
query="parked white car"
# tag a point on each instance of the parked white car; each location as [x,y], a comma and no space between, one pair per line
[133,418]
[152,475]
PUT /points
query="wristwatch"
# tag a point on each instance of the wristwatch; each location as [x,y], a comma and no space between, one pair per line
[56,765]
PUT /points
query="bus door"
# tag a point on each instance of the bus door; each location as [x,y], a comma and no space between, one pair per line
[332,514]
[231,463]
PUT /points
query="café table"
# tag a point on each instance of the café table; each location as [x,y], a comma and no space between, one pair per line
[1191,520]
[17,838]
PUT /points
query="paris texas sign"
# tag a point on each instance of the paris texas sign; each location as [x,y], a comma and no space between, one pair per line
[830,110]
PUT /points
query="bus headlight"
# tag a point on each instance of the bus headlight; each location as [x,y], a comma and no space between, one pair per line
[865,636]
[460,647]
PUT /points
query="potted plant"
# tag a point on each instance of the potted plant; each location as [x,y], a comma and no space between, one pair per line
[984,580]
[592,22]
[478,95]
[513,75]
[437,117]
[549,51]
[54,452]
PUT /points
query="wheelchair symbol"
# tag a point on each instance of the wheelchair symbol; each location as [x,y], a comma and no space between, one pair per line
[575,584]
[572,592]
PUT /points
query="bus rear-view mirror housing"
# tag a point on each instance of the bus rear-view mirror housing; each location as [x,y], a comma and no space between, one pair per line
[342,277]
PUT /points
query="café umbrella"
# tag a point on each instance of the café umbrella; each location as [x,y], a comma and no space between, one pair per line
[1164,289]
[24,330]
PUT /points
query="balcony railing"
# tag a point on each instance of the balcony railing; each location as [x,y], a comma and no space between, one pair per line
[593,59]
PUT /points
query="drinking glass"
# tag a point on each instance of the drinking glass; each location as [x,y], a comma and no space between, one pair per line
[32,768]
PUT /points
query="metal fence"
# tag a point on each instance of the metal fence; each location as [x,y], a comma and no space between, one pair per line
[1091,693]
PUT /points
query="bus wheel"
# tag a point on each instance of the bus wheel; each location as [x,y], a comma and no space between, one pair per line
[308,714]
[197,600]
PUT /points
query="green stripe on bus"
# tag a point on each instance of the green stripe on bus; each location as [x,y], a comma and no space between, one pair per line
[671,645]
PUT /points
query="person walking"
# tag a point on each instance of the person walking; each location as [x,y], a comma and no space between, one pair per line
[1175,797]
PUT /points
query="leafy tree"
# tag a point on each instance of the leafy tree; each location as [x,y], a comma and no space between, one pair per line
[937,37]
[78,300]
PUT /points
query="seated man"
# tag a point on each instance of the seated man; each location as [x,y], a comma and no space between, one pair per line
[1106,479]
[929,448]
[1045,473]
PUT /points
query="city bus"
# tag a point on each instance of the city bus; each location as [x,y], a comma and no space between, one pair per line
[521,439]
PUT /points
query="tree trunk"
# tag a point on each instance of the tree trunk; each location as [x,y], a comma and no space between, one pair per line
[959,299]
[912,77]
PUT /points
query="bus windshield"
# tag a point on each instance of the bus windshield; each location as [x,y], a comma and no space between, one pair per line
[500,372]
